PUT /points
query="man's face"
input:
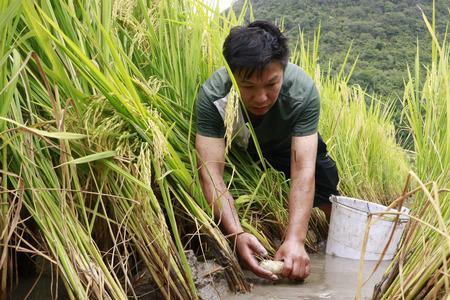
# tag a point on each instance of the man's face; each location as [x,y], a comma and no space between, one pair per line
[260,91]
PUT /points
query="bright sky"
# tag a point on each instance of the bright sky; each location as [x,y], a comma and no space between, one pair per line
[223,4]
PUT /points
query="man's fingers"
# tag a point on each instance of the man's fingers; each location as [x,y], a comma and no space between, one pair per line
[296,260]
[307,269]
[297,270]
[249,247]
[287,269]
[252,263]
[300,269]
[256,246]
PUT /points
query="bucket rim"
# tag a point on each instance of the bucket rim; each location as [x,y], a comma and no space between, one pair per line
[403,217]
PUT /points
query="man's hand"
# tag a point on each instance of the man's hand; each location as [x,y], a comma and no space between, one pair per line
[248,246]
[296,260]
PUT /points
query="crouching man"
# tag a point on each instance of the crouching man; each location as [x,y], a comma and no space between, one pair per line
[283,105]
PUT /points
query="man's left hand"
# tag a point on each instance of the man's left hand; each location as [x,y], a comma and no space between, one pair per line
[296,260]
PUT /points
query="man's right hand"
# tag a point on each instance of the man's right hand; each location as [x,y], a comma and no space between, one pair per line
[247,246]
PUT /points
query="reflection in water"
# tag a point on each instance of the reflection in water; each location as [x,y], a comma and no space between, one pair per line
[42,288]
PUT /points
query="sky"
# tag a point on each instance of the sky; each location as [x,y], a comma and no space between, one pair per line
[223,4]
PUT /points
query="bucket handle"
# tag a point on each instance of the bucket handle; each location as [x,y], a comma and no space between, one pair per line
[333,199]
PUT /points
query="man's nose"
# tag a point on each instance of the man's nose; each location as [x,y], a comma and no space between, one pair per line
[261,97]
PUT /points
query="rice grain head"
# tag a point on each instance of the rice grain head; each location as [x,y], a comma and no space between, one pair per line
[123,9]
[160,145]
[231,114]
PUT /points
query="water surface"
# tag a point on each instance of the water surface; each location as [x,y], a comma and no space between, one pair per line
[331,278]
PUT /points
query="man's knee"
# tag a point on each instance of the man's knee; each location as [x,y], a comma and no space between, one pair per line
[326,208]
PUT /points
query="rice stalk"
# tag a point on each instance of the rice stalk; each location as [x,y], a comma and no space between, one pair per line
[9,68]
[358,131]
[81,265]
[426,111]
[143,220]
[126,102]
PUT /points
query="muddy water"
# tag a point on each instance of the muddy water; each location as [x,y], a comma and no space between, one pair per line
[331,278]
[39,289]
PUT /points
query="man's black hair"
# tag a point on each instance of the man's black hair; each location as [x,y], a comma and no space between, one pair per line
[251,48]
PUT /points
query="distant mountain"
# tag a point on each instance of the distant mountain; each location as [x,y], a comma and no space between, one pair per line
[384,33]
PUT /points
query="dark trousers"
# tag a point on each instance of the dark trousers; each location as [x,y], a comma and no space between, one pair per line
[327,177]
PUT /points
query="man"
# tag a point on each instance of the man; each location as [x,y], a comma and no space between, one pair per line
[283,106]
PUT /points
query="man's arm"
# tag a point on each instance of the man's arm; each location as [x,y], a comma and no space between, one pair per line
[211,152]
[301,197]
[211,160]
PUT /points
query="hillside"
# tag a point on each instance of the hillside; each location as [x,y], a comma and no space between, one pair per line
[383,33]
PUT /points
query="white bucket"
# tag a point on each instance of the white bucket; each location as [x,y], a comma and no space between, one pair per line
[348,221]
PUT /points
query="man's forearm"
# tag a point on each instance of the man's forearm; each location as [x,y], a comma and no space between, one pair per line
[301,198]
[223,206]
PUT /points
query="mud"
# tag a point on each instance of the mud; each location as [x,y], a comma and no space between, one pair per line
[208,276]
[331,278]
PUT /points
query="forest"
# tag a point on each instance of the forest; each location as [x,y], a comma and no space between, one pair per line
[383,35]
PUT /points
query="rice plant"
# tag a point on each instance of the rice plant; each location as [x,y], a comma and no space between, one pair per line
[118,87]
[10,63]
[358,129]
[420,268]
[97,143]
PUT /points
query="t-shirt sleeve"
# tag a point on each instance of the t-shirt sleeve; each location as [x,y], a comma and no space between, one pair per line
[209,120]
[307,121]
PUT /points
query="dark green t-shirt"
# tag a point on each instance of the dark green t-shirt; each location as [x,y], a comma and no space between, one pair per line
[295,113]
